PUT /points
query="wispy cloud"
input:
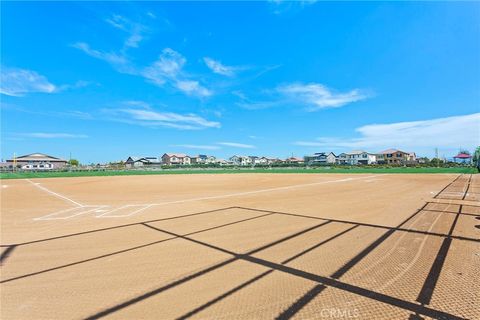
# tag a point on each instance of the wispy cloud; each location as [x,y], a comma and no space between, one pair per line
[142,114]
[317,96]
[236,145]
[219,68]
[450,132]
[282,6]
[77,85]
[48,113]
[168,69]
[195,146]
[134,30]
[117,60]
[249,104]
[17,82]
[50,135]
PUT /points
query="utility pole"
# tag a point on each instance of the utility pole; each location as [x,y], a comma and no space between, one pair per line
[436,157]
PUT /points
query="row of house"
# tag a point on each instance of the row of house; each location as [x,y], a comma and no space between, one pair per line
[172,159]
[184,159]
[360,157]
[357,157]
[40,161]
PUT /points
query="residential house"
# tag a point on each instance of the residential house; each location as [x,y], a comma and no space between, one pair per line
[224,162]
[133,162]
[294,160]
[241,160]
[359,157]
[38,161]
[176,159]
[463,157]
[203,159]
[342,158]
[321,158]
[395,156]
[268,161]
[254,160]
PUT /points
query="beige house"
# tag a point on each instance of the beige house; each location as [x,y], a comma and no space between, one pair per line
[37,161]
[295,160]
[395,156]
[175,159]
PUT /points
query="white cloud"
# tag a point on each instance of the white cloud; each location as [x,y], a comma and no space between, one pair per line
[192,87]
[134,30]
[118,59]
[168,65]
[236,145]
[17,82]
[141,114]
[282,6]
[448,133]
[112,58]
[318,96]
[168,69]
[45,135]
[249,104]
[77,85]
[219,68]
[195,146]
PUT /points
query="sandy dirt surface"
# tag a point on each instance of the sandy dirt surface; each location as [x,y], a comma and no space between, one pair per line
[243,246]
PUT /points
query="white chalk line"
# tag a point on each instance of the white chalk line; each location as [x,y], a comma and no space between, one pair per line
[36,184]
[148,205]
[54,216]
[109,215]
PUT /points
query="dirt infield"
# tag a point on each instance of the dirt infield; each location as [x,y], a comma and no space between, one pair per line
[242,246]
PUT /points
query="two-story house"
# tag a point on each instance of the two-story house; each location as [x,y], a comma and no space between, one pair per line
[241,160]
[176,159]
[395,156]
[321,158]
[360,157]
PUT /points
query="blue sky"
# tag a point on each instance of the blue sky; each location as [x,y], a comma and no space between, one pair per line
[104,81]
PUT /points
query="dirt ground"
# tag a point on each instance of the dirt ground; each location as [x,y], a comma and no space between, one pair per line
[243,246]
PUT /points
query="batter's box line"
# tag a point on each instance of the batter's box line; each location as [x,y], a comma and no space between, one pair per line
[141,207]
[57,215]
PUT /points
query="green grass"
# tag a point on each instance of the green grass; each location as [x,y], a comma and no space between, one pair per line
[24,175]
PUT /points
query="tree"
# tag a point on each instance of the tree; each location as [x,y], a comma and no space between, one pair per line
[476,155]
[73,162]
[436,161]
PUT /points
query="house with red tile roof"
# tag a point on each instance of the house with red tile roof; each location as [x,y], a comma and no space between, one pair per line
[462,157]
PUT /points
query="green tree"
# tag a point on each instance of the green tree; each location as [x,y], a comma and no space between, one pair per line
[476,155]
[73,162]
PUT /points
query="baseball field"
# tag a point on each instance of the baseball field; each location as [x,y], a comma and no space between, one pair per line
[243,246]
